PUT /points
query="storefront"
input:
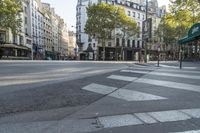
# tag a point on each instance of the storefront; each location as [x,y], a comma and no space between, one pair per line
[190,44]
[13,51]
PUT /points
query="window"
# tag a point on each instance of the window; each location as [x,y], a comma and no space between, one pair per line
[138,15]
[138,44]
[94,45]
[79,28]
[25,20]
[138,24]
[26,31]
[123,42]
[128,43]
[117,42]
[133,14]
[129,13]
[89,39]
[143,17]
[133,43]
[79,38]
[143,46]
[25,9]
[109,44]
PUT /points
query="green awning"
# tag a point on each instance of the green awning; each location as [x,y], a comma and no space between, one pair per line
[193,34]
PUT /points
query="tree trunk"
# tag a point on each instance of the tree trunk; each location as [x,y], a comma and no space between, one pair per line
[104,50]
[122,53]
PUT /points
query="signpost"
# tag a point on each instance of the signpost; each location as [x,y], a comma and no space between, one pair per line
[181,58]
[146,33]
[158,56]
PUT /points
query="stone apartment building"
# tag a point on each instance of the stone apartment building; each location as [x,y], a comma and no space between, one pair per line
[18,45]
[40,37]
[133,47]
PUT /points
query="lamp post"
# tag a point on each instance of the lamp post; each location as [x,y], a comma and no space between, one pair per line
[181,58]
[146,39]
[158,57]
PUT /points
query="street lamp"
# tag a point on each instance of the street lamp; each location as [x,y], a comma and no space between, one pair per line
[158,57]
[146,39]
[181,58]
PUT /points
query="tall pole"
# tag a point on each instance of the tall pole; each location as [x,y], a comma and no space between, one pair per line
[181,57]
[145,41]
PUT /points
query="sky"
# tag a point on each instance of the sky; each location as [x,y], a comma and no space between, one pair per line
[67,10]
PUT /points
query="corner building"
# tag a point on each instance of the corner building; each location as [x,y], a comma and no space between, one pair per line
[133,48]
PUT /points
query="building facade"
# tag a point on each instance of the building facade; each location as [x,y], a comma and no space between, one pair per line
[64,42]
[72,47]
[37,30]
[18,46]
[47,22]
[128,48]
[40,36]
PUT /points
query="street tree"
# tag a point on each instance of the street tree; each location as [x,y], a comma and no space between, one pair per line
[167,35]
[10,15]
[128,28]
[101,22]
[103,19]
[175,24]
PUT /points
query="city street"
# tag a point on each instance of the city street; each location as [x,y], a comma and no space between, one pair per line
[99,97]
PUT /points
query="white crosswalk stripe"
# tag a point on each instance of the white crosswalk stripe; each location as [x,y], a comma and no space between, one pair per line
[123,78]
[135,71]
[101,89]
[142,118]
[170,84]
[167,66]
[175,85]
[192,131]
[163,74]
[123,94]
[179,71]
[146,118]
[130,95]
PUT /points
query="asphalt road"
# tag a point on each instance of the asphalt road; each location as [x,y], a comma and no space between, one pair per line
[44,85]
[99,97]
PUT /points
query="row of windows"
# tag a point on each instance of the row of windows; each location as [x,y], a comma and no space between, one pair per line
[132,5]
[139,16]
[39,18]
[129,43]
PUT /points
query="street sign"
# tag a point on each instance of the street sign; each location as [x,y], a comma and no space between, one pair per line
[147,29]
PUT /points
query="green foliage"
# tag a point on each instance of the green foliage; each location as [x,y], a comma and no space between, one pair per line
[104,18]
[101,20]
[128,26]
[182,15]
[166,32]
[10,14]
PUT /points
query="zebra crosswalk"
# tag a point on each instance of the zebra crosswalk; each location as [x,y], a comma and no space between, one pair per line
[130,94]
[147,118]
[192,131]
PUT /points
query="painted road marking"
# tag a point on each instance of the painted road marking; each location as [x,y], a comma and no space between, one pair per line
[124,94]
[130,95]
[163,74]
[195,113]
[181,86]
[101,89]
[175,75]
[135,71]
[119,121]
[168,116]
[123,78]
[147,118]
[181,71]
[192,131]
[177,67]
